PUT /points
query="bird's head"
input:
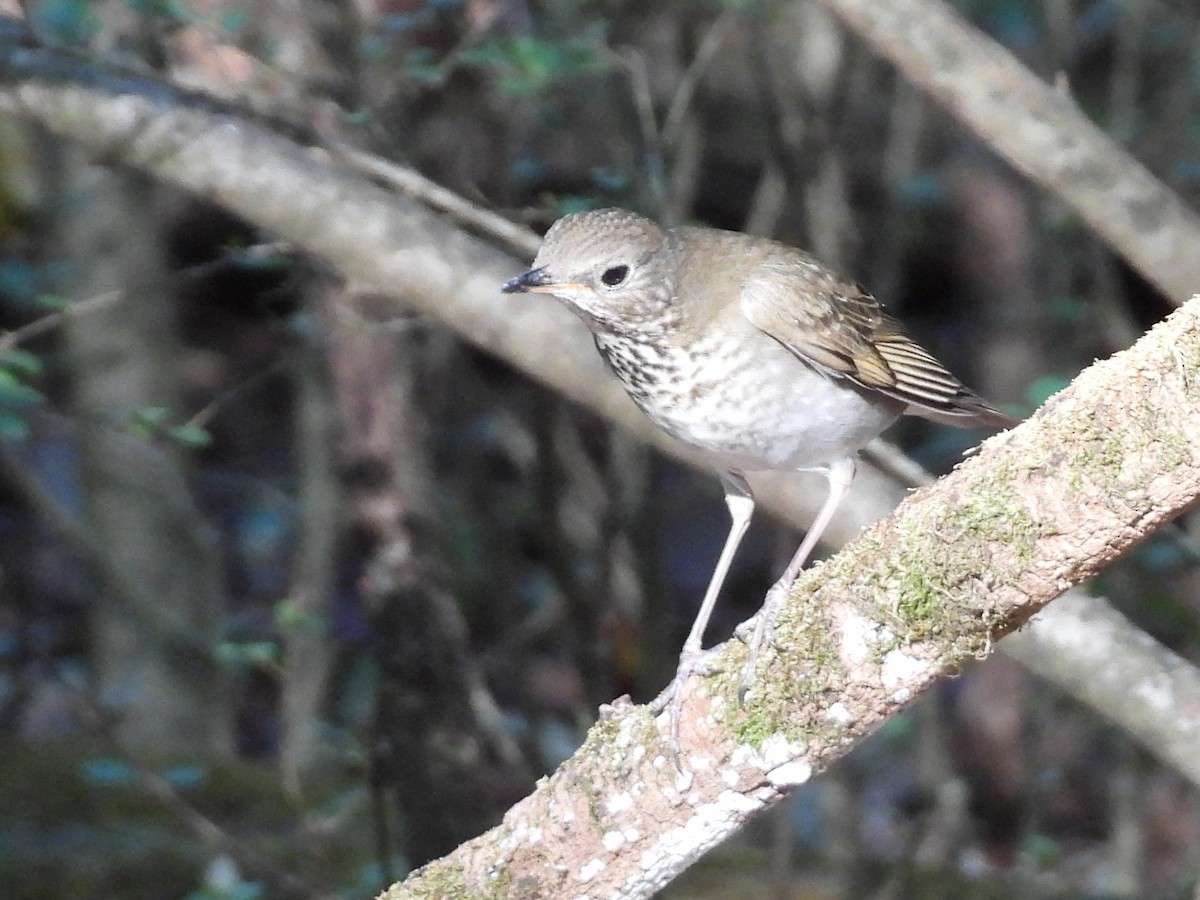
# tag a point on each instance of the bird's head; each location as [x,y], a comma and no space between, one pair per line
[613,267]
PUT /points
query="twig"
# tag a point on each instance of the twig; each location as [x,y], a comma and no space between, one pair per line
[206,413]
[685,93]
[433,194]
[79,538]
[56,319]
[88,305]
[212,834]
[634,64]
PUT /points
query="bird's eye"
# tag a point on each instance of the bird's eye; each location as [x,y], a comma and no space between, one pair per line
[614,276]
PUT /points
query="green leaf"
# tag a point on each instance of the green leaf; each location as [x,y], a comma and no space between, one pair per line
[243,653]
[52,302]
[1069,310]
[608,179]
[289,615]
[420,65]
[571,203]
[108,771]
[151,416]
[1043,849]
[22,361]
[529,65]
[183,775]
[65,21]
[15,394]
[374,48]
[254,258]
[13,427]
[235,20]
[192,436]
[358,118]
[158,9]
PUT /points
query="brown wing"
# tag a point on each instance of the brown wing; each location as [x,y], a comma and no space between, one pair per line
[843,331]
[821,319]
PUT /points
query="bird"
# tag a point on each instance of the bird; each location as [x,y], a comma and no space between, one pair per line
[752,352]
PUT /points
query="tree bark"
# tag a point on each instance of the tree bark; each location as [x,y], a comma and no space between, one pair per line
[439,746]
[138,503]
[305,618]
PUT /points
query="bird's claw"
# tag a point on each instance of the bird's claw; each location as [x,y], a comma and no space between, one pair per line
[694,662]
[763,635]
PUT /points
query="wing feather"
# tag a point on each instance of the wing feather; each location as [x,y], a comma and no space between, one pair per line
[843,331]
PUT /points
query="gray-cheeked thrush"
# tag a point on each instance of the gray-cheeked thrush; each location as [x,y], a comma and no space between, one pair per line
[752,352]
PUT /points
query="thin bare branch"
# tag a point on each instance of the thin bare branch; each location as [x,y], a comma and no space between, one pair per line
[201,825]
[433,195]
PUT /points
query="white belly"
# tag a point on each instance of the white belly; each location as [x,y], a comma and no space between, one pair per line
[766,410]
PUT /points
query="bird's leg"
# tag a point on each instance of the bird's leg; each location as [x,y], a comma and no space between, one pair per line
[839,474]
[741,507]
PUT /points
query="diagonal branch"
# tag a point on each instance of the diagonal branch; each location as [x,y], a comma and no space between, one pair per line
[382,240]
[1074,642]
[1039,129]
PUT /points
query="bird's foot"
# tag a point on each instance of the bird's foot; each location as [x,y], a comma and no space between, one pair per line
[764,628]
[744,632]
[691,662]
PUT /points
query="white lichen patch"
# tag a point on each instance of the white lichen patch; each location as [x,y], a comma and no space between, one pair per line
[625,733]
[732,801]
[858,635]
[612,841]
[683,781]
[591,869]
[618,803]
[741,755]
[515,837]
[711,823]
[719,817]
[534,836]
[898,668]
[839,714]
[777,750]
[701,763]
[790,774]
